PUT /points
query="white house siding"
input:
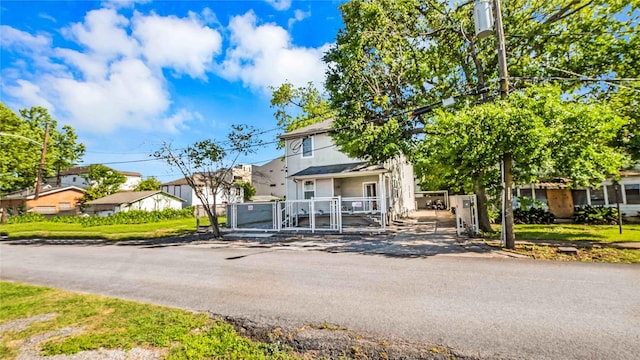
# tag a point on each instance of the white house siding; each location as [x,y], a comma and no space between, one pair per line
[401,186]
[184,192]
[268,179]
[130,183]
[324,153]
[155,202]
[77,180]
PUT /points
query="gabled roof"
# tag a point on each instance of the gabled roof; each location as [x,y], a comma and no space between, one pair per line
[80,170]
[322,127]
[128,197]
[340,170]
[27,194]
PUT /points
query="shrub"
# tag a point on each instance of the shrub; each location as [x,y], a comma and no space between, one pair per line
[533,216]
[595,215]
[127,217]
[26,218]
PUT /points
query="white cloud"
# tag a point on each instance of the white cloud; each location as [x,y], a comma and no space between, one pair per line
[298,15]
[104,33]
[15,39]
[263,56]
[47,17]
[117,4]
[29,93]
[280,4]
[178,120]
[183,45]
[131,97]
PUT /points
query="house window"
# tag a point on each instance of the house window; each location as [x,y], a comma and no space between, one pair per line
[64,205]
[74,179]
[579,197]
[541,195]
[307,147]
[597,196]
[309,189]
[46,209]
[611,194]
[632,191]
[272,185]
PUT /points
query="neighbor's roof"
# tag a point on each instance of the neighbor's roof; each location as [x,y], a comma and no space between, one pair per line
[79,170]
[30,193]
[318,128]
[341,170]
[128,197]
[199,177]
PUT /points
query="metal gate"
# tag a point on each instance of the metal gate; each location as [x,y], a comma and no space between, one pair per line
[466,214]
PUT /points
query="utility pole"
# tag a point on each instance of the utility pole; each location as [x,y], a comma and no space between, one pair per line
[507,157]
[42,158]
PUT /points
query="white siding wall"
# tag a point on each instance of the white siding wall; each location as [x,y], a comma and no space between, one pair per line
[155,202]
[264,177]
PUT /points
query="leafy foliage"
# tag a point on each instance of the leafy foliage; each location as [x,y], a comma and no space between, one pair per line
[298,107]
[249,190]
[395,56]
[20,158]
[533,216]
[595,215]
[104,181]
[148,184]
[119,218]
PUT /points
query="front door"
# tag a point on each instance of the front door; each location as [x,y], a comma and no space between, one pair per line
[370,191]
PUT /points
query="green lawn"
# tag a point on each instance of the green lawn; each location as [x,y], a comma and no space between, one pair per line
[575,232]
[56,230]
[117,324]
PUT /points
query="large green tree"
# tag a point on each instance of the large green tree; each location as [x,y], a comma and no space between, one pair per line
[20,155]
[297,107]
[394,56]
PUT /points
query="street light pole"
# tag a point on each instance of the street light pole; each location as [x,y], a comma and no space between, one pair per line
[507,157]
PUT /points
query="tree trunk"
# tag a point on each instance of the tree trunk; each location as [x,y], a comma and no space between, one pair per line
[483,211]
[212,214]
[509,235]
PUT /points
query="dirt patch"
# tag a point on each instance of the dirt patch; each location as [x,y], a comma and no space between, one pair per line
[327,341]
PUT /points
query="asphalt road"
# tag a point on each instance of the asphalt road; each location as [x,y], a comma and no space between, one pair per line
[482,307]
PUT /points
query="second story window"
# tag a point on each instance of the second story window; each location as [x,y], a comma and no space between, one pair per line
[307,147]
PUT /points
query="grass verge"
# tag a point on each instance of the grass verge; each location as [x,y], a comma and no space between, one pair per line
[54,230]
[573,232]
[593,254]
[117,324]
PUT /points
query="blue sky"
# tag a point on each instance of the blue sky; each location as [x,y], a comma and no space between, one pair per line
[129,75]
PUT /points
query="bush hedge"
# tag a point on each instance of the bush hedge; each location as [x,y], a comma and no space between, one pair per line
[533,216]
[595,215]
[119,218]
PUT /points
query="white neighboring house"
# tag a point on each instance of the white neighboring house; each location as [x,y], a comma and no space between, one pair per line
[180,188]
[316,168]
[134,200]
[74,177]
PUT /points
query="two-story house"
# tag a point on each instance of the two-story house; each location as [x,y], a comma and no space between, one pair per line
[75,177]
[180,188]
[316,168]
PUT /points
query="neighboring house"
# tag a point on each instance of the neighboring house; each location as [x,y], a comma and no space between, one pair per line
[316,168]
[268,179]
[51,200]
[74,177]
[134,200]
[561,200]
[181,189]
